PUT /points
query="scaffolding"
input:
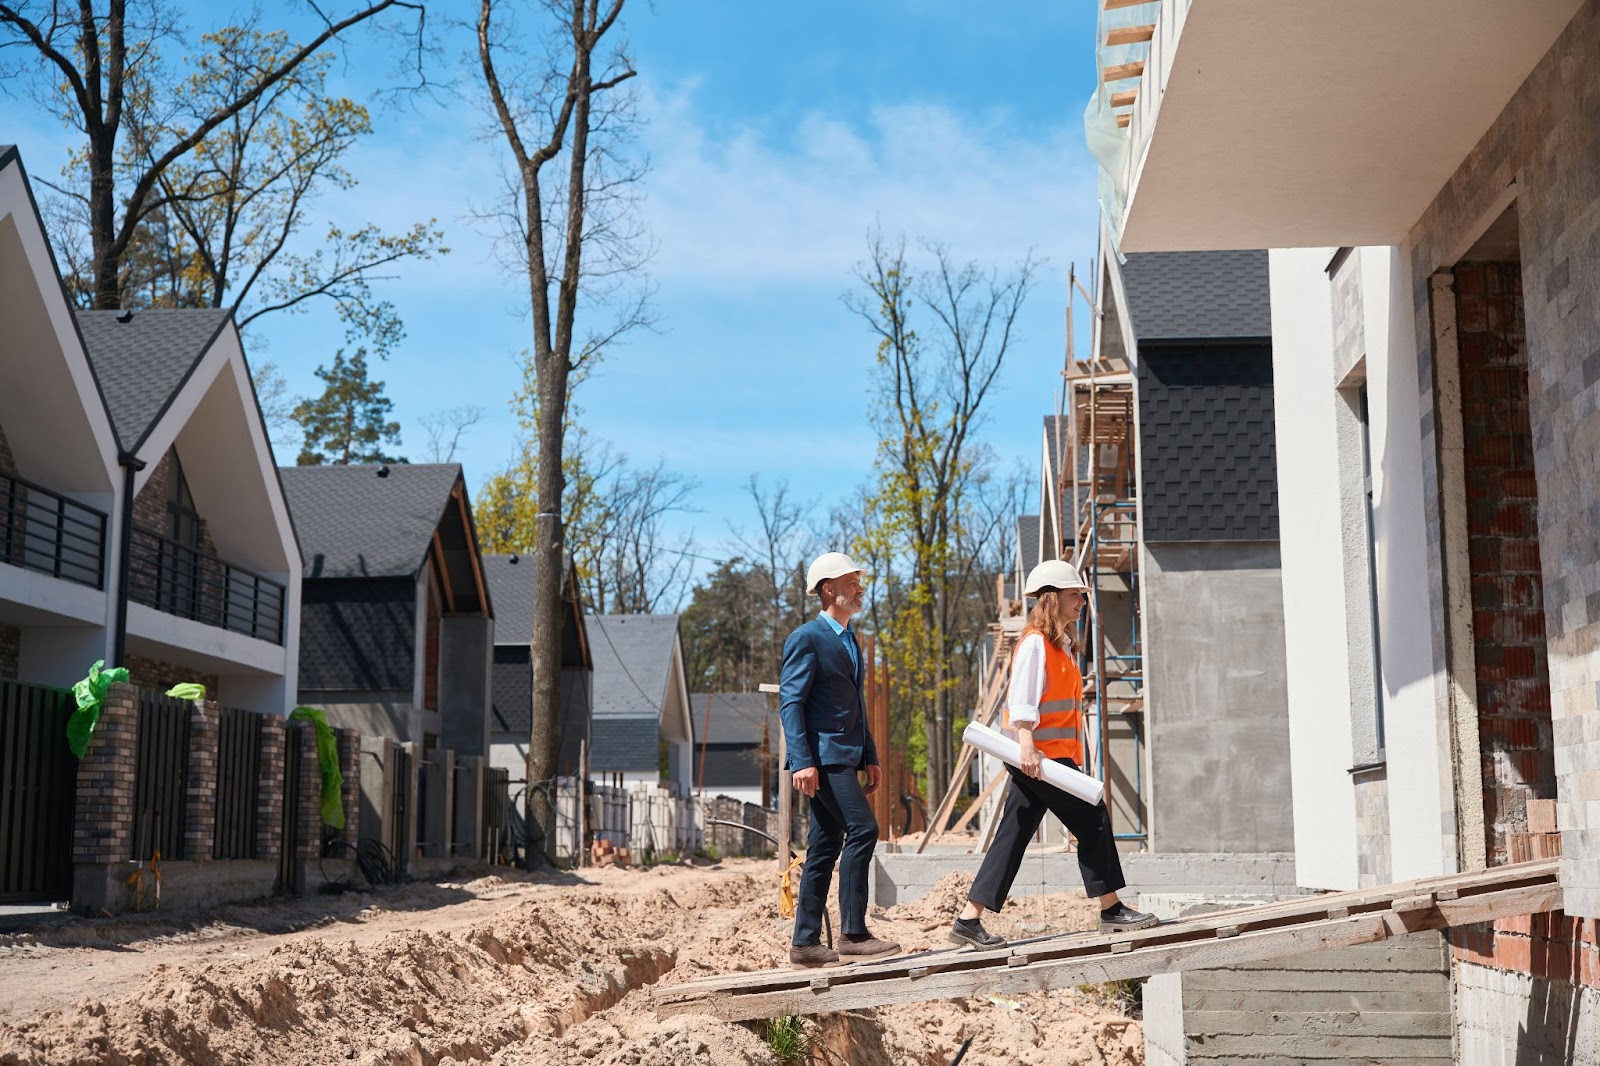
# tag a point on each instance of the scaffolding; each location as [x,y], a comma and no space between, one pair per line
[1098,493]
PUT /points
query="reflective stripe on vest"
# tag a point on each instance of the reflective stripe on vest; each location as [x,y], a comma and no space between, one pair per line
[1042,735]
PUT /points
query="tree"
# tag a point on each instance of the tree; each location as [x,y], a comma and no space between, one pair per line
[187,191]
[929,404]
[349,421]
[571,205]
[277,406]
[445,429]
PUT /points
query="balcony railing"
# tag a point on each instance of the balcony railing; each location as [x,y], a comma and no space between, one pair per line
[44,531]
[180,580]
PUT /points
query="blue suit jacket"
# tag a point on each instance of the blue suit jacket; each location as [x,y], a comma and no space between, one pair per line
[820,702]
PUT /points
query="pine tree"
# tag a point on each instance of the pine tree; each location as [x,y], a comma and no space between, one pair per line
[348,422]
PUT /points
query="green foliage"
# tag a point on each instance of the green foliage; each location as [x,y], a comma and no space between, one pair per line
[327,763]
[789,1038]
[1125,996]
[89,694]
[349,421]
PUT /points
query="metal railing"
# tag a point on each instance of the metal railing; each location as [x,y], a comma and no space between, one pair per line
[44,531]
[181,580]
[238,783]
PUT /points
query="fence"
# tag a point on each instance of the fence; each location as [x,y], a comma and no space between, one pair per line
[238,783]
[161,771]
[38,778]
[652,822]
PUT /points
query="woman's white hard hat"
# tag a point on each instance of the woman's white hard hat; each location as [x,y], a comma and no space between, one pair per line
[1053,574]
[829,565]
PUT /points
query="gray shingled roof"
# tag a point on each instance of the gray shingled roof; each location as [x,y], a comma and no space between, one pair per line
[141,363]
[510,579]
[1197,295]
[736,717]
[1028,542]
[632,660]
[620,744]
[353,523]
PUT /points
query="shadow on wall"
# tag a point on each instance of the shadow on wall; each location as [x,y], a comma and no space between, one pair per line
[1551,1024]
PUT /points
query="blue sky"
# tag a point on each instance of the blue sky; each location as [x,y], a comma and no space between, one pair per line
[778,134]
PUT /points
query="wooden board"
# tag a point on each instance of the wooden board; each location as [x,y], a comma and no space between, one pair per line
[1121,35]
[1226,938]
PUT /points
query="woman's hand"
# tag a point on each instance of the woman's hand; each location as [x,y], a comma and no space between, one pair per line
[1032,762]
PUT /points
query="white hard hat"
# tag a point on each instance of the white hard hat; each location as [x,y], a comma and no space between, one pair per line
[1053,574]
[829,565]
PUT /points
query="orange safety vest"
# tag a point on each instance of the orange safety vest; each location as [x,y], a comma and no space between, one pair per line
[1059,733]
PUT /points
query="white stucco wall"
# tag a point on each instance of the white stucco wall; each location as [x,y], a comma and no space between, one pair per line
[1313,579]
[1418,757]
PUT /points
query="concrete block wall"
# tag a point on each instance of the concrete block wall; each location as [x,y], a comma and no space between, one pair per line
[200,830]
[1542,149]
[1385,1003]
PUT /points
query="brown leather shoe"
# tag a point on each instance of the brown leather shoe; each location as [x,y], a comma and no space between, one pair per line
[870,948]
[812,955]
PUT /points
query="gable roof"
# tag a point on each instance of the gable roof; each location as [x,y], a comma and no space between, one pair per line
[736,718]
[1028,542]
[510,581]
[143,362]
[1197,295]
[632,662]
[354,523]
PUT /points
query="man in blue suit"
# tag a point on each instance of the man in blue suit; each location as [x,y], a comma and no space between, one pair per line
[829,749]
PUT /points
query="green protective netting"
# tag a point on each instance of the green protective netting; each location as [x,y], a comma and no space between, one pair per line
[90,694]
[1107,142]
[188,690]
[328,762]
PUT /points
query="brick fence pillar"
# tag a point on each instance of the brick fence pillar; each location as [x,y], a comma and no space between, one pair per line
[350,767]
[269,789]
[309,813]
[103,823]
[200,832]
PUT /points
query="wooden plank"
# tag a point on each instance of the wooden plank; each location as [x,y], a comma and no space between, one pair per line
[1125,98]
[1124,121]
[1113,5]
[1122,71]
[1121,35]
[977,804]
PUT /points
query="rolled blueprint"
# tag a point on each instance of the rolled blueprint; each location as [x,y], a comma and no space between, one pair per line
[1009,751]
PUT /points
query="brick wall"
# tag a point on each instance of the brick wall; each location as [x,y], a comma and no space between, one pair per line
[160,675]
[310,795]
[269,813]
[200,834]
[1552,945]
[1508,625]
[350,768]
[10,651]
[103,822]
[1543,145]
[8,462]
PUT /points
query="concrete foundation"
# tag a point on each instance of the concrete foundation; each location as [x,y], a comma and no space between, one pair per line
[902,877]
[183,886]
[1506,1017]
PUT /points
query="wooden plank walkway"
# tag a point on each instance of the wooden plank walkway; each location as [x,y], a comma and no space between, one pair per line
[1224,938]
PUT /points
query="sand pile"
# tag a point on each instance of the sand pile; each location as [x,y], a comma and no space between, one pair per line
[537,974]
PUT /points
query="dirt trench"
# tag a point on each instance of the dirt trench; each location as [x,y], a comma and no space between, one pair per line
[518,972]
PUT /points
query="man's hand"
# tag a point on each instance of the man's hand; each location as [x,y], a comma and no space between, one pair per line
[805,781]
[874,779]
[1032,761]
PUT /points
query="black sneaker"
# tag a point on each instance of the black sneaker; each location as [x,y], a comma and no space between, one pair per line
[970,932]
[1120,918]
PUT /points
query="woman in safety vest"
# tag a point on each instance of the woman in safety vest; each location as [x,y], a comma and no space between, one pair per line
[1044,714]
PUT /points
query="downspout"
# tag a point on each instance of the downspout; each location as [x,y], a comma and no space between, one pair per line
[131,465]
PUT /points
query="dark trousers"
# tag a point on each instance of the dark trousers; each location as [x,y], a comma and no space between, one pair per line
[1027,802]
[841,823]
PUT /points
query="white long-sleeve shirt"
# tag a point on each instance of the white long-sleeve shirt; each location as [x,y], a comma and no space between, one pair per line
[1027,681]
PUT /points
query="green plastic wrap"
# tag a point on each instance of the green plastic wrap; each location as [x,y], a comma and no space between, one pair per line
[188,690]
[328,761]
[90,694]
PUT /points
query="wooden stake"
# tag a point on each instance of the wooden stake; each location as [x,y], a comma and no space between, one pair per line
[583,802]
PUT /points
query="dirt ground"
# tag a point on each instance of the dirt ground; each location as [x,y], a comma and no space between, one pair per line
[508,969]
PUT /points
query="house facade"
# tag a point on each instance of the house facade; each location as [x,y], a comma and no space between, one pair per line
[735,745]
[397,627]
[510,580]
[1434,273]
[141,517]
[641,732]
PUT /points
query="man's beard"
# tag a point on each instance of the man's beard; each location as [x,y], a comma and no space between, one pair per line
[851,606]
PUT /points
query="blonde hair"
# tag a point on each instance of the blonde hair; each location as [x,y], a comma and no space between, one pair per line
[1049,616]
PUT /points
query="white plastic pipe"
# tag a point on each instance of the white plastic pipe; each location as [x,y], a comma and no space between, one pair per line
[1009,751]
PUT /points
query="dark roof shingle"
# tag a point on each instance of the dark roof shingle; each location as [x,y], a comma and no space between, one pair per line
[736,718]
[353,523]
[141,363]
[510,579]
[632,662]
[1197,295]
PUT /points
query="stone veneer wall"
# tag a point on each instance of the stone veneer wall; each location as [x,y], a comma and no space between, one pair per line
[1544,147]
